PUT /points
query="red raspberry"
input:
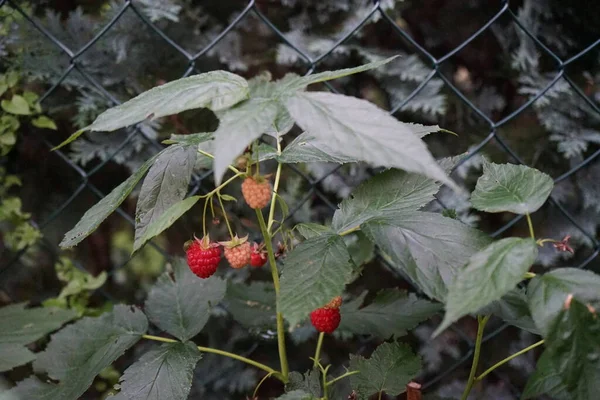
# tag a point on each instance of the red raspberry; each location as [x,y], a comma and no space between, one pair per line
[258,258]
[256,191]
[237,252]
[327,319]
[203,256]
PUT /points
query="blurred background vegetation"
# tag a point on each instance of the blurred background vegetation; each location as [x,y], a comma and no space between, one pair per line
[119,49]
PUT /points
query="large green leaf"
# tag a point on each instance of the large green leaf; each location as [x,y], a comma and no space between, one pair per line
[238,128]
[216,90]
[358,129]
[390,368]
[165,185]
[387,194]
[101,210]
[489,275]
[514,310]
[166,219]
[309,382]
[79,352]
[427,247]
[306,148]
[165,373]
[391,313]
[180,305]
[546,380]
[262,87]
[22,326]
[508,187]
[314,272]
[252,305]
[547,293]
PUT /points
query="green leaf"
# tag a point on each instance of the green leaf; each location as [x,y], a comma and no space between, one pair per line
[17,105]
[547,293]
[80,351]
[573,346]
[391,313]
[489,275]
[361,249]
[238,128]
[508,187]
[297,395]
[427,247]
[30,388]
[309,382]
[165,185]
[44,122]
[310,229]
[306,148]
[546,380]
[166,219]
[181,305]
[193,139]
[261,88]
[101,210]
[301,82]
[314,272]
[514,310]
[390,368]
[22,326]
[387,194]
[165,373]
[252,305]
[226,197]
[360,130]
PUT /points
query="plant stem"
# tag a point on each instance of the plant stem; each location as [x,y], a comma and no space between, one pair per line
[318,349]
[204,216]
[507,359]
[260,383]
[270,370]
[275,188]
[380,394]
[531,233]
[348,231]
[275,274]
[481,321]
[529,275]
[225,215]
[347,374]
[231,167]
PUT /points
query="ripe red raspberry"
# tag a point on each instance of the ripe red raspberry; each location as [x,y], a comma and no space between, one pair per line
[258,258]
[327,319]
[237,251]
[256,191]
[203,256]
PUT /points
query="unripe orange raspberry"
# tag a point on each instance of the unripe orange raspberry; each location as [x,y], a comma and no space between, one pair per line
[237,252]
[256,191]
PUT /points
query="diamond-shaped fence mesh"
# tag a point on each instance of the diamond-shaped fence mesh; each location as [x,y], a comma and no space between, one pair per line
[311,63]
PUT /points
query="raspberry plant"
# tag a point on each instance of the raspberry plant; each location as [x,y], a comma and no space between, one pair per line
[456,267]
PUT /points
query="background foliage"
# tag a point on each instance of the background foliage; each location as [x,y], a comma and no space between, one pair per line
[519,81]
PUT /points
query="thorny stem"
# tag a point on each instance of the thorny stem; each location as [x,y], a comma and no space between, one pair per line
[318,349]
[531,233]
[275,274]
[481,321]
[225,215]
[347,374]
[275,188]
[507,359]
[256,364]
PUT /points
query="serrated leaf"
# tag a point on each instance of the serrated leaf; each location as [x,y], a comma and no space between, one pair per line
[311,229]
[261,88]
[101,210]
[76,354]
[427,247]
[165,185]
[360,130]
[489,275]
[23,326]
[238,128]
[193,139]
[387,194]
[296,395]
[547,293]
[391,313]
[361,249]
[306,148]
[165,373]
[314,272]
[181,307]
[166,219]
[16,105]
[514,310]
[252,305]
[389,369]
[44,122]
[30,388]
[508,187]
[546,380]
[309,382]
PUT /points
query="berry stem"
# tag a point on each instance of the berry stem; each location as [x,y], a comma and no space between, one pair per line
[204,216]
[481,321]
[275,188]
[275,274]
[231,167]
[318,349]
[256,364]
[225,215]
[507,359]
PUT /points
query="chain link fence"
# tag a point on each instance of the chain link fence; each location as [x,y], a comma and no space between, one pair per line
[200,183]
